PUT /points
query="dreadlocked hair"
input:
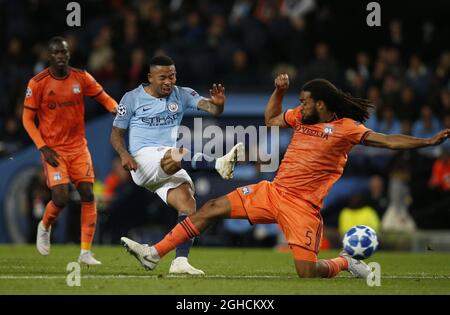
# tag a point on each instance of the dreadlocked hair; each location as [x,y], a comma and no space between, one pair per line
[343,104]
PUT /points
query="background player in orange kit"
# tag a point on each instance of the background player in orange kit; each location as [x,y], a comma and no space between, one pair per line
[327,124]
[56,96]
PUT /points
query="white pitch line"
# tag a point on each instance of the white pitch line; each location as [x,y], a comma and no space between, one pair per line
[43,277]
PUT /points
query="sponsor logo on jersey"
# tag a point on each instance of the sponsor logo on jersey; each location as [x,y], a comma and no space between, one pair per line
[57,176]
[53,105]
[160,120]
[314,133]
[172,107]
[246,190]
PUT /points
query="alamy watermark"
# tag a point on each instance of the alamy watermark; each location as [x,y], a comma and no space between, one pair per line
[374,17]
[74,17]
[263,143]
[73,279]
[374,278]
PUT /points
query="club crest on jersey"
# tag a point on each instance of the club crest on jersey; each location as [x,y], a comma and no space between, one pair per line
[172,107]
[76,89]
[122,110]
[57,176]
[246,190]
[29,92]
[328,130]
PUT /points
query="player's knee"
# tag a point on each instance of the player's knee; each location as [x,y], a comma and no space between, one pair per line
[86,192]
[187,205]
[171,161]
[214,208]
[60,198]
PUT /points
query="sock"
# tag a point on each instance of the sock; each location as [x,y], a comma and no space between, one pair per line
[85,251]
[50,214]
[335,266]
[182,232]
[199,162]
[88,221]
[183,249]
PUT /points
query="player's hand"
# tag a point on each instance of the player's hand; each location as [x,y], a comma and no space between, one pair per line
[50,156]
[282,82]
[440,137]
[217,94]
[128,162]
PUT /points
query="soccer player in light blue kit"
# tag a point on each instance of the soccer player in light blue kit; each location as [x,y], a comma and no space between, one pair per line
[153,113]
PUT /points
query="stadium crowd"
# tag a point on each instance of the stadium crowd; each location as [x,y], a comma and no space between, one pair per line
[404,70]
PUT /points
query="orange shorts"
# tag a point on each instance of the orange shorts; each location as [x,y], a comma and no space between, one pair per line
[299,220]
[75,168]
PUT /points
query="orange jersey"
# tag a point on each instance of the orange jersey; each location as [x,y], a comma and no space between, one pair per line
[316,156]
[60,107]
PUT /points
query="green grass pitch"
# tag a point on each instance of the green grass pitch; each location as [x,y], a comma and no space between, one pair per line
[229,271]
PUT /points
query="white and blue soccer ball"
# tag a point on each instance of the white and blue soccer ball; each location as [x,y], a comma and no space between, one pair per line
[360,241]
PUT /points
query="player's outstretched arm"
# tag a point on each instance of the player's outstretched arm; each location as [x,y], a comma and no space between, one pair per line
[274,115]
[215,104]
[128,162]
[404,142]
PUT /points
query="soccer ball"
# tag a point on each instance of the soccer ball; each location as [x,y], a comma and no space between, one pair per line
[360,242]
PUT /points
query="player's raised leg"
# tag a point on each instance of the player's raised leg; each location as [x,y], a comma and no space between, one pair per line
[60,196]
[190,227]
[88,223]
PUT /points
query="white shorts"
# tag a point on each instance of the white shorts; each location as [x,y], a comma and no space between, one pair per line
[150,175]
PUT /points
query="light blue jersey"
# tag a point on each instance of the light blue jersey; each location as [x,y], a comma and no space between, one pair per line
[154,122]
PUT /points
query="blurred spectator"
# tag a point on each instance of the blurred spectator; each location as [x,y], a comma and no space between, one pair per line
[436,214]
[443,107]
[427,127]
[323,66]
[378,199]
[419,77]
[440,176]
[114,179]
[388,124]
[397,218]
[407,107]
[102,53]
[12,139]
[358,212]
[443,69]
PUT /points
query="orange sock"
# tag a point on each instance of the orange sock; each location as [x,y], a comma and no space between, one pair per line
[88,221]
[179,234]
[50,214]
[335,266]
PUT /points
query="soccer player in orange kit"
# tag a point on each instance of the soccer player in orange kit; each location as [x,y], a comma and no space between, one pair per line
[327,124]
[55,95]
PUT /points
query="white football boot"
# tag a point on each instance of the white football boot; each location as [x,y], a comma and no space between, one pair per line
[43,239]
[147,255]
[87,258]
[357,268]
[180,265]
[225,164]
